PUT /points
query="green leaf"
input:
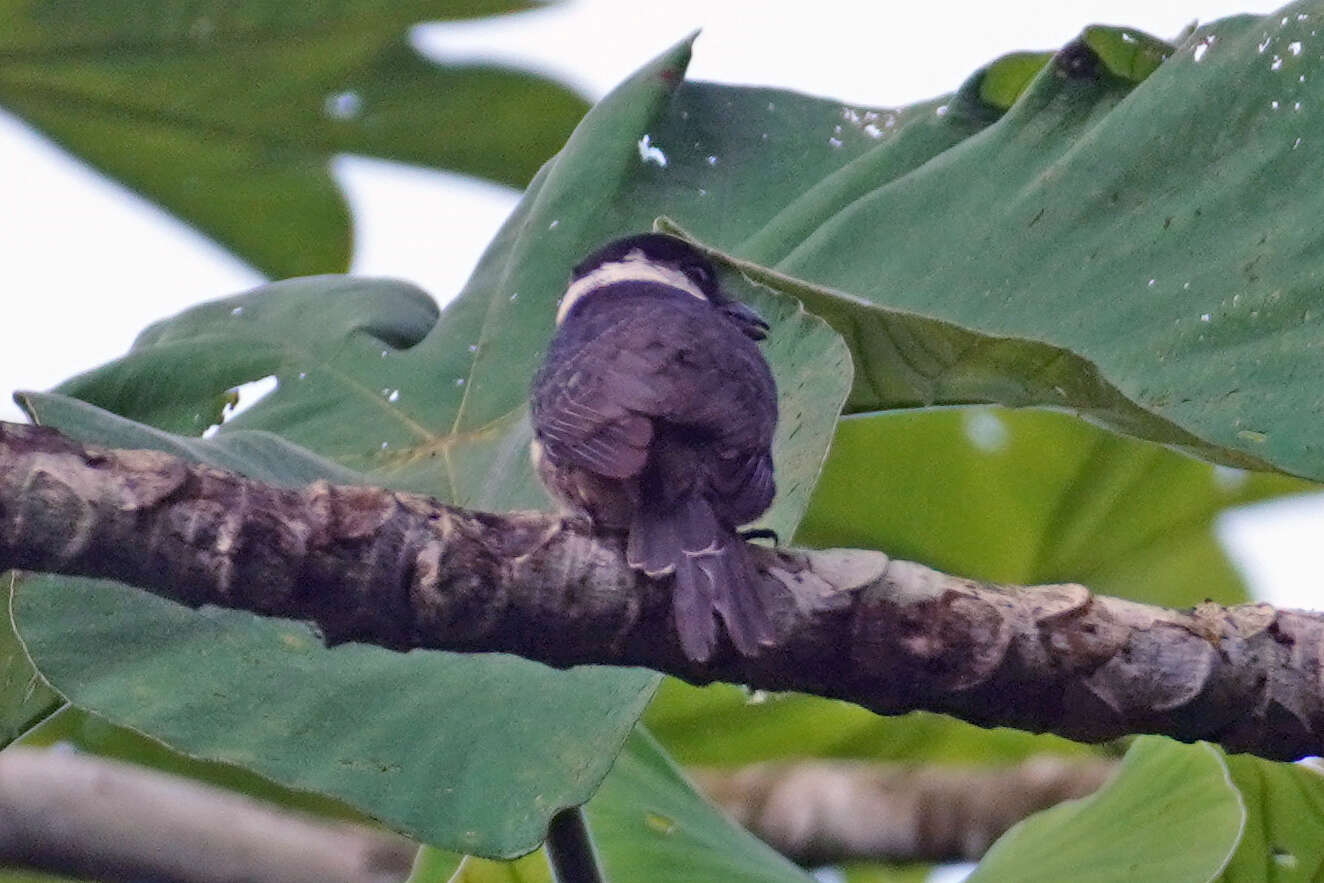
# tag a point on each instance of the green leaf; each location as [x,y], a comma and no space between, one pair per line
[259,455]
[91,734]
[1004,80]
[648,824]
[1127,53]
[883,873]
[721,177]
[1145,247]
[434,866]
[913,361]
[1285,804]
[1171,814]
[469,752]
[1096,181]
[1175,812]
[330,369]
[227,114]
[726,726]
[25,699]
[12,876]
[351,723]
[1034,497]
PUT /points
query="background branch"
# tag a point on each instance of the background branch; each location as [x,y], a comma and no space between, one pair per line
[403,571]
[85,816]
[828,812]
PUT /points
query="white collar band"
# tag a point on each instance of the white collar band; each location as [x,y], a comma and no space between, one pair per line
[634,267]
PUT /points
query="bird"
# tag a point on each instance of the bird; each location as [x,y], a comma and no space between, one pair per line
[653,414]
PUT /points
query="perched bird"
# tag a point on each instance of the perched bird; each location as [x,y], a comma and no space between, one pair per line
[653,414]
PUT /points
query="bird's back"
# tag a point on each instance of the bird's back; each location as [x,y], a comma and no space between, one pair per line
[653,414]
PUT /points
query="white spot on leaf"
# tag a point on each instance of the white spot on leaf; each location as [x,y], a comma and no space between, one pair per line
[648,153]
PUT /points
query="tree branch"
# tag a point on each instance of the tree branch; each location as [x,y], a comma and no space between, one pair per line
[828,812]
[403,571]
[86,816]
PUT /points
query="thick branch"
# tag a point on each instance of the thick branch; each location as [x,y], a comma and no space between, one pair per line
[74,814]
[404,571]
[827,812]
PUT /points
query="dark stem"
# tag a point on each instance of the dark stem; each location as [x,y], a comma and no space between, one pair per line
[569,849]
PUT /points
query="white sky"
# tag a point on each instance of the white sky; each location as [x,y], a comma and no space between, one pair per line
[88,264]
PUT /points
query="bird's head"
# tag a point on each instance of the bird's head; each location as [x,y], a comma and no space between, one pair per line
[660,259]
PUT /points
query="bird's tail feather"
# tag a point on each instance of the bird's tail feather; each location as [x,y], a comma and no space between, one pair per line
[713,575]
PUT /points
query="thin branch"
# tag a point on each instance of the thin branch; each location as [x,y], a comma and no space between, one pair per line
[86,816]
[828,812]
[403,571]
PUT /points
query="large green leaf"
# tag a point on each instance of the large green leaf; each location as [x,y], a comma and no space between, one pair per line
[732,158]
[469,752]
[503,742]
[1034,497]
[1013,496]
[1085,190]
[1171,814]
[1156,241]
[969,255]
[228,113]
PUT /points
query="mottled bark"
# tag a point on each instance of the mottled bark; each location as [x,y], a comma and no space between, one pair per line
[403,571]
[826,812]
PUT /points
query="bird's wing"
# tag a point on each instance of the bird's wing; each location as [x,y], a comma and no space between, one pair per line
[633,367]
[591,398]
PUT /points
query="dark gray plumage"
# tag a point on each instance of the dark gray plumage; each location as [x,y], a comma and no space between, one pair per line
[653,414]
